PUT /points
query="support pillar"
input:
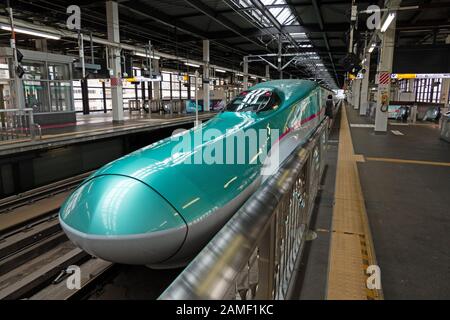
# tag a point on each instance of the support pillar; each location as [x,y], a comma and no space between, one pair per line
[105,107]
[411,88]
[156,84]
[385,65]
[85,96]
[280,61]
[245,73]
[267,72]
[356,94]
[41,45]
[364,100]
[206,95]
[112,16]
[445,91]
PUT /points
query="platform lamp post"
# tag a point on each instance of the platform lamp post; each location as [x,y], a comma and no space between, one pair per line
[18,71]
[196,98]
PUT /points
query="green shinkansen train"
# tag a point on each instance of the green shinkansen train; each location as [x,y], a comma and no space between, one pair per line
[160,205]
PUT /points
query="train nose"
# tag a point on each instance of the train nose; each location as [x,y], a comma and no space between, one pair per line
[121,219]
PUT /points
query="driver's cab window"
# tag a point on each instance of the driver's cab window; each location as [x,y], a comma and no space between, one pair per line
[254,101]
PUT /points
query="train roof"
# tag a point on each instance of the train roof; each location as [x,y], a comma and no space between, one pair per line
[289,90]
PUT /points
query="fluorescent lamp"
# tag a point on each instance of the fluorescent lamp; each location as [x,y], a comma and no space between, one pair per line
[372,47]
[192,64]
[31,32]
[139,54]
[388,21]
[297,34]
[220,70]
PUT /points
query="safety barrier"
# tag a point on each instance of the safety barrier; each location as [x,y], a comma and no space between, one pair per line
[18,124]
[167,106]
[134,105]
[257,253]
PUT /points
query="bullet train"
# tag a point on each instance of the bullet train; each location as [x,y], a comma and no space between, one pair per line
[159,206]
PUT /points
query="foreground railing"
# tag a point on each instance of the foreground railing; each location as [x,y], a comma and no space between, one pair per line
[257,253]
[17,124]
[445,127]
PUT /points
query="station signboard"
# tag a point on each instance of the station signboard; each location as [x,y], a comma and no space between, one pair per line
[400,76]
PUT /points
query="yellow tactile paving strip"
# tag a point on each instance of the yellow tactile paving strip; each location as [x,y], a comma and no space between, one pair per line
[351,249]
[404,161]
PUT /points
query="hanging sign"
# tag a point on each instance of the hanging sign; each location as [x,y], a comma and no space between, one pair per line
[420,75]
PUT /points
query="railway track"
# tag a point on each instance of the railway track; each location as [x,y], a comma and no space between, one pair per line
[34,251]
[35,255]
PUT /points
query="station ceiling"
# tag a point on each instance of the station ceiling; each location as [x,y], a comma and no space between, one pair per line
[319,29]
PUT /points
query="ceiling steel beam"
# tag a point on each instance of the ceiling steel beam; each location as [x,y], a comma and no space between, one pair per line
[222,21]
[289,2]
[324,35]
[64,33]
[273,21]
[156,15]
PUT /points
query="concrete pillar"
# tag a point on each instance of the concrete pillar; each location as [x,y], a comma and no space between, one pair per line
[385,65]
[267,72]
[112,17]
[411,87]
[41,45]
[445,90]
[364,99]
[206,96]
[18,96]
[245,69]
[356,96]
[156,84]
[279,58]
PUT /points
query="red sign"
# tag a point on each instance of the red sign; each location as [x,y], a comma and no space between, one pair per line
[384,78]
[114,81]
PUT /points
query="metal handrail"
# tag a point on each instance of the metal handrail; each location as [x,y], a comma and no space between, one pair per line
[256,253]
[17,124]
[15,110]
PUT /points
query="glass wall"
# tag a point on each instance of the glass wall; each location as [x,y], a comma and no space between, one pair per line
[173,86]
[47,87]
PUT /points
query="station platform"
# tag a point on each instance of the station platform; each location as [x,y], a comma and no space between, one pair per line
[98,126]
[384,202]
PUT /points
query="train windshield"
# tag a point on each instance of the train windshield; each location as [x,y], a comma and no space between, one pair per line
[254,101]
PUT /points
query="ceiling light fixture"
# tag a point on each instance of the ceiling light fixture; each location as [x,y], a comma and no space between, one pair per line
[192,65]
[220,70]
[31,32]
[139,54]
[388,21]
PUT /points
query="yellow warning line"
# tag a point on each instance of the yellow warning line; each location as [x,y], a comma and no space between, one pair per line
[429,163]
[351,249]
